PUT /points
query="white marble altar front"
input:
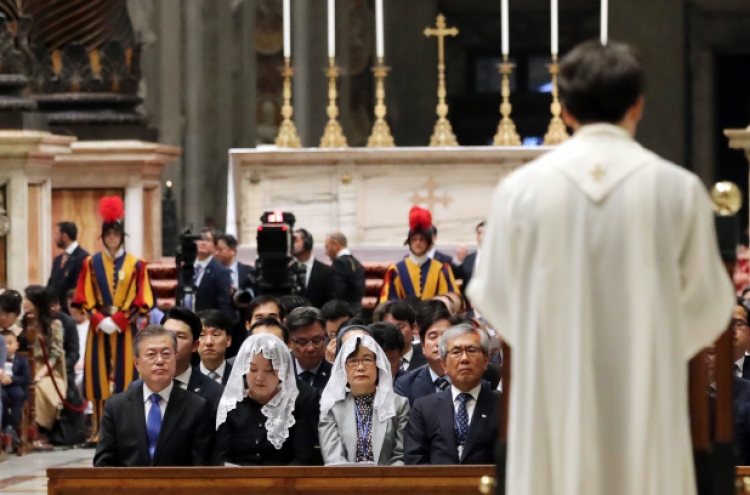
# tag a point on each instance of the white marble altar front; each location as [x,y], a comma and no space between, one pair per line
[367,193]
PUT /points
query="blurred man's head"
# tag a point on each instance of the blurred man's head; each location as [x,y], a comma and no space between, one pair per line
[214,338]
[270,326]
[225,249]
[480,233]
[65,234]
[205,245]
[465,354]
[11,341]
[391,340]
[335,313]
[186,327]
[155,356]
[741,330]
[263,307]
[307,336]
[403,316]
[334,244]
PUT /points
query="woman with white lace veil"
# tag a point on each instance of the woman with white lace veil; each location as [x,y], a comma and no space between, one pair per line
[361,419]
[264,418]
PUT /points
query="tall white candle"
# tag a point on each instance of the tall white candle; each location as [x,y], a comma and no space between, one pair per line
[554,28]
[605,21]
[504,26]
[379,30]
[287,29]
[331,28]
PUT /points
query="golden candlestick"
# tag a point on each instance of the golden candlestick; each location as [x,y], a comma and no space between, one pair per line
[333,137]
[506,130]
[287,137]
[381,134]
[443,133]
[557,132]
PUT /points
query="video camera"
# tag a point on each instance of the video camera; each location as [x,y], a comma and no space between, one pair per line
[276,271]
[187,252]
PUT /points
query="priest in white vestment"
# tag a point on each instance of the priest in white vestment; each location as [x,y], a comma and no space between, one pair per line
[600,268]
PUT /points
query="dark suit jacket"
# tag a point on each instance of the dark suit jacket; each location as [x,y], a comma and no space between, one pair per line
[448,260]
[184,438]
[418,358]
[429,437]
[321,378]
[238,330]
[227,372]
[21,373]
[415,384]
[741,408]
[351,281]
[467,268]
[323,285]
[65,278]
[214,289]
[70,341]
[200,385]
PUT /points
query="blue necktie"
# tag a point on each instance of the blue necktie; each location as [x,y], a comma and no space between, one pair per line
[153,423]
[441,384]
[462,419]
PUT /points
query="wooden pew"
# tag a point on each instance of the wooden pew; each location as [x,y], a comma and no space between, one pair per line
[413,480]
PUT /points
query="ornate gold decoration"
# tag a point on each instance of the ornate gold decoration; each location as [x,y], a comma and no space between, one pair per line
[506,130]
[287,137]
[346,179]
[727,198]
[431,200]
[333,137]
[443,134]
[557,132]
[381,134]
[598,173]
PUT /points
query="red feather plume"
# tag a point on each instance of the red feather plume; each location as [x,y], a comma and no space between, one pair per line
[420,219]
[111,209]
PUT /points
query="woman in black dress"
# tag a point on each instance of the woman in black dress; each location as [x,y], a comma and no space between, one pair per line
[264,418]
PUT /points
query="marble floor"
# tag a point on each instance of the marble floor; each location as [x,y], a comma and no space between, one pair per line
[27,474]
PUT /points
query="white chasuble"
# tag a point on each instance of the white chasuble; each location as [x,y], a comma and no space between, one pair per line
[600,268]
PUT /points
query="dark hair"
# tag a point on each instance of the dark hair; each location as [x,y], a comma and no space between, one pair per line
[10,302]
[379,311]
[8,333]
[307,239]
[347,327]
[600,83]
[427,318]
[69,229]
[213,318]
[260,301]
[271,322]
[37,295]
[745,290]
[291,302]
[745,306]
[413,301]
[335,309]
[302,317]
[400,311]
[187,317]
[149,332]
[388,336]
[228,239]
[480,224]
[52,295]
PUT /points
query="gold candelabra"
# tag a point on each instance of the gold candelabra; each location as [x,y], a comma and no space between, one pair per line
[506,130]
[556,132]
[381,134]
[287,137]
[443,133]
[333,137]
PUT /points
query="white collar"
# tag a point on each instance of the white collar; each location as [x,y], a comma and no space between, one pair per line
[204,263]
[418,260]
[344,252]
[73,246]
[434,376]
[310,261]
[219,371]
[119,252]
[185,377]
[235,266]
[164,393]
[474,392]
[298,367]
[741,362]
[407,356]
[602,129]
[431,252]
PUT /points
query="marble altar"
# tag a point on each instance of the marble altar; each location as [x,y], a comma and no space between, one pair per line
[367,193]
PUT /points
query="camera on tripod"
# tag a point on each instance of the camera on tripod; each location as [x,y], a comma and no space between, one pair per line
[277,272]
[187,252]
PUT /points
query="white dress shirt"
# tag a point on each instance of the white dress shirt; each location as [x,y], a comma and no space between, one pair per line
[431,252]
[203,264]
[219,371]
[119,253]
[184,378]
[434,376]
[739,365]
[470,404]
[344,252]
[73,246]
[406,358]
[299,369]
[235,269]
[308,269]
[162,403]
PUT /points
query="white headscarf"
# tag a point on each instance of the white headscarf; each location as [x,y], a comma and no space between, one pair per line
[335,391]
[279,409]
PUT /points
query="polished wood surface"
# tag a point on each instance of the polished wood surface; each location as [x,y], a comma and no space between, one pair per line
[414,480]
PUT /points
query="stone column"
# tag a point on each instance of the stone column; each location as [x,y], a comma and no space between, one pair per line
[739,139]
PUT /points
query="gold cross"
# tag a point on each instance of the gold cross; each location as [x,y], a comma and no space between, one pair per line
[431,200]
[441,32]
[598,173]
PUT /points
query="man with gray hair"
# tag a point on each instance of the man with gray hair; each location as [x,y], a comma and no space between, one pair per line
[350,272]
[469,405]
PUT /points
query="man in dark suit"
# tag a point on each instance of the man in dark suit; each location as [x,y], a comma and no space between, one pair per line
[404,317]
[14,385]
[442,257]
[460,424]
[66,267]
[307,341]
[243,290]
[212,279]
[212,345]
[155,422]
[321,282]
[350,272]
[470,262]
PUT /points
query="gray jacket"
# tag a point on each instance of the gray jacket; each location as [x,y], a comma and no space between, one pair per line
[338,434]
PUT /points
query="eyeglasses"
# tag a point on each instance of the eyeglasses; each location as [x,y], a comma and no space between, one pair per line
[739,323]
[316,342]
[367,362]
[153,356]
[471,351]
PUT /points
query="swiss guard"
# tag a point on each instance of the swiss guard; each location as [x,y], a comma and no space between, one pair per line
[418,275]
[114,288]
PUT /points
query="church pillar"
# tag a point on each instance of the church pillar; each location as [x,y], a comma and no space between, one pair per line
[661,44]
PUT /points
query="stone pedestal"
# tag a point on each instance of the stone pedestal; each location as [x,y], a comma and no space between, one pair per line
[26,160]
[367,193]
[129,168]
